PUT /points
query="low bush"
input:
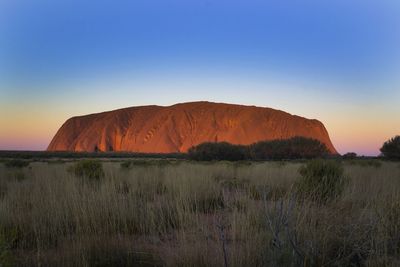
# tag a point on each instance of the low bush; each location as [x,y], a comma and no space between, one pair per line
[350,155]
[217,151]
[126,164]
[321,181]
[91,169]
[293,148]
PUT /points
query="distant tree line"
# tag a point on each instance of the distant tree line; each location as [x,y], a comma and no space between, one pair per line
[350,155]
[390,150]
[77,155]
[293,148]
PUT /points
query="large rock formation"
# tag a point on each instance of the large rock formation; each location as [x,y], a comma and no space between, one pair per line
[177,128]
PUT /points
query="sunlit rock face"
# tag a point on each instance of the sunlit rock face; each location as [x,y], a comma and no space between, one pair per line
[176,128]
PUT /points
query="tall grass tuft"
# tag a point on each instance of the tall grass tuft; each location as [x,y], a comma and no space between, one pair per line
[91,169]
[321,181]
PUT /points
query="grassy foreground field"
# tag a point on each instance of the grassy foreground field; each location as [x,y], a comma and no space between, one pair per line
[181,213]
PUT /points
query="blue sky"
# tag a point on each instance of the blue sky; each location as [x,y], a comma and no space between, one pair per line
[311,58]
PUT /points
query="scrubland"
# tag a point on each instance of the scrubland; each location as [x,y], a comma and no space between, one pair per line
[182,213]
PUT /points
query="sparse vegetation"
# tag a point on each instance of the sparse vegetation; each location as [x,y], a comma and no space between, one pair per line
[7,240]
[16,163]
[321,181]
[313,213]
[365,162]
[89,169]
[129,164]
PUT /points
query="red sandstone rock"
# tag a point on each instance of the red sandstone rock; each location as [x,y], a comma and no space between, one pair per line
[176,128]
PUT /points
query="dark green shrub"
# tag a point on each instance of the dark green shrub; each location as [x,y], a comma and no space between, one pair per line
[16,163]
[321,181]
[217,151]
[293,148]
[391,148]
[126,164]
[91,169]
[350,155]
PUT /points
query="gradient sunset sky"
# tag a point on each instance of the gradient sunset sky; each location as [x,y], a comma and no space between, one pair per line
[335,61]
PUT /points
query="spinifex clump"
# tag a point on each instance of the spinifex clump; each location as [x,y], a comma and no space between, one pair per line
[321,181]
[91,169]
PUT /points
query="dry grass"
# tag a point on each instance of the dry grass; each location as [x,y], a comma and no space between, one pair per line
[177,213]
